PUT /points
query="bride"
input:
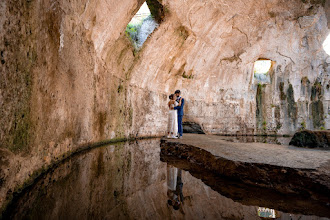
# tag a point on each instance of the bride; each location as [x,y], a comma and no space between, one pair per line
[172,126]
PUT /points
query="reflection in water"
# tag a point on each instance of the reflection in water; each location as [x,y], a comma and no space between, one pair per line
[126,181]
[174,185]
[266,212]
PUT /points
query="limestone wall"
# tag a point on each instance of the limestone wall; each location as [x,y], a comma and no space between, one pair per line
[213,64]
[64,75]
[70,75]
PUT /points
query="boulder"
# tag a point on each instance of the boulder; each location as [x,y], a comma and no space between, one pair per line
[192,127]
[311,139]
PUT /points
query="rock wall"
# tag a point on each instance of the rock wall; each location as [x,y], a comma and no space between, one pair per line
[70,76]
[64,83]
[65,76]
[210,51]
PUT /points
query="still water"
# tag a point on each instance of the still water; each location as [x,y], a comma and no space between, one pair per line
[130,181]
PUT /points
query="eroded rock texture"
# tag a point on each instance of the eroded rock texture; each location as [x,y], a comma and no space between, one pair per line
[70,76]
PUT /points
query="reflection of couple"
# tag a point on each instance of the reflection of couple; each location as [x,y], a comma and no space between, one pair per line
[174,185]
[175,105]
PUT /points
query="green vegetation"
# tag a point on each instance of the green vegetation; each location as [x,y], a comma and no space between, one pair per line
[264,125]
[317,104]
[259,102]
[292,105]
[278,118]
[317,113]
[317,91]
[278,126]
[166,9]
[132,32]
[303,125]
[187,76]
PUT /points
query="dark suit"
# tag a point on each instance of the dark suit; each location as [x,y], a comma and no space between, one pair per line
[180,115]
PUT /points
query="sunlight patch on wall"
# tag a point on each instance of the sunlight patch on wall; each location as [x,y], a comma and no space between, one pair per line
[326,45]
[262,66]
[261,69]
[143,13]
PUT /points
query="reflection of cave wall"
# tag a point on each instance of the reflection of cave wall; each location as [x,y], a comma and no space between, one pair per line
[129,181]
[109,182]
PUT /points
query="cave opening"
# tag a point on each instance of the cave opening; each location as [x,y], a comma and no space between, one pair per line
[144,22]
[326,45]
[261,69]
[262,66]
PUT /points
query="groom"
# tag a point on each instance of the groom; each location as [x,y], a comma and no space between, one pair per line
[180,112]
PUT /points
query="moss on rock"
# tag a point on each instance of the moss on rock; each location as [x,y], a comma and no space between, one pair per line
[317,113]
[260,116]
[317,104]
[282,93]
[317,91]
[292,105]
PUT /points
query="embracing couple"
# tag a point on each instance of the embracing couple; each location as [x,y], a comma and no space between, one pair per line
[175,105]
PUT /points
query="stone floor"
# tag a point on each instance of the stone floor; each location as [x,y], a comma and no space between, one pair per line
[280,155]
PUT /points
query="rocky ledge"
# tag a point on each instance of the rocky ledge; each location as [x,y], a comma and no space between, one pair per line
[285,169]
[311,139]
[192,127]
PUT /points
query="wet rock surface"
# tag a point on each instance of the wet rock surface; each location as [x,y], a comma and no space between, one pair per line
[302,179]
[272,154]
[192,127]
[311,139]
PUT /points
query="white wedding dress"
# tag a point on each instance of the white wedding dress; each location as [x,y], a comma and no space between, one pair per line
[172,126]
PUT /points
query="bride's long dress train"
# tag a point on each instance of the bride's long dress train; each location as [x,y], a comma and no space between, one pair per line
[172,126]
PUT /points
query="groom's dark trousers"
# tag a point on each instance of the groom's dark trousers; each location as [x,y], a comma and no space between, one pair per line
[180,129]
[180,115]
